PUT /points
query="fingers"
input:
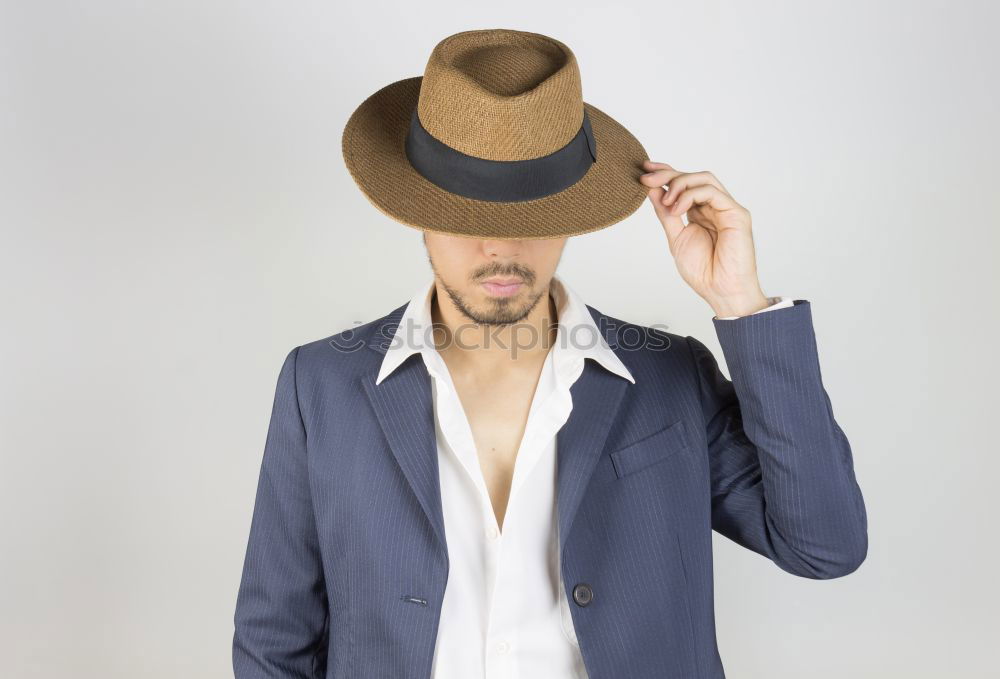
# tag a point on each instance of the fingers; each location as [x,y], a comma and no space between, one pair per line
[704,194]
[674,193]
[658,174]
[662,173]
[691,179]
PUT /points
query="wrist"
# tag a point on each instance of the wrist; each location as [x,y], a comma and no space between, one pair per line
[742,305]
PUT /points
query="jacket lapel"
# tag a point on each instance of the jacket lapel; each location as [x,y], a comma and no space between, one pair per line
[405,409]
[597,397]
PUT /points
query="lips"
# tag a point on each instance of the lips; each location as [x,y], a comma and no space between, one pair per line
[502,289]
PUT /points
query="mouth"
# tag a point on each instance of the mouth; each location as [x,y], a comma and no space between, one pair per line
[502,287]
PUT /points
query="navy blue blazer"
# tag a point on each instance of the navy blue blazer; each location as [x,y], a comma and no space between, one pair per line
[346,563]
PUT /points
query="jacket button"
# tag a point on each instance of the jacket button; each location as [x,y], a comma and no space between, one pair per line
[583,594]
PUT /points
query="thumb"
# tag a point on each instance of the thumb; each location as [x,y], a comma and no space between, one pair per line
[672,224]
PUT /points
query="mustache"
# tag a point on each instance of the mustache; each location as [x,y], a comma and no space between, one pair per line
[525,275]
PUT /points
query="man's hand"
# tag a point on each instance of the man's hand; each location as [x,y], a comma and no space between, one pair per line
[714,251]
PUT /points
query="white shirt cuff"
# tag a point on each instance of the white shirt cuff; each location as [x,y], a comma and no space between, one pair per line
[779,302]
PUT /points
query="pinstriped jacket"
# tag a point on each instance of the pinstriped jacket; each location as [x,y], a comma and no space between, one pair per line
[346,562]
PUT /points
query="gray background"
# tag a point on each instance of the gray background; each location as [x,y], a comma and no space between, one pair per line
[176,216]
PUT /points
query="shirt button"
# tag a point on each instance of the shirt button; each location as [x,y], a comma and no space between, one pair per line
[503,647]
[583,594]
[493,532]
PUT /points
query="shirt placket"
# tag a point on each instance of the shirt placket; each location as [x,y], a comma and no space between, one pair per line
[549,410]
[500,661]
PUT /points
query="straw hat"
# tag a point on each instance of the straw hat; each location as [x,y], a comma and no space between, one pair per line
[494,141]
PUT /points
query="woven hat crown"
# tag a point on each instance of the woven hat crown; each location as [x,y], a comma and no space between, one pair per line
[501,94]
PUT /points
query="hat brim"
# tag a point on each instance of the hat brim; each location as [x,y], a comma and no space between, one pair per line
[373,145]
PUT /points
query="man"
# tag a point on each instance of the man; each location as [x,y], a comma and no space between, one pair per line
[496,479]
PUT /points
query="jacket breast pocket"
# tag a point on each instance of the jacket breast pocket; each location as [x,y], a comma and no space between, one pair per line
[649,450]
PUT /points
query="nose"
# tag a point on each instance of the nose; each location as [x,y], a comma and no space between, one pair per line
[502,248]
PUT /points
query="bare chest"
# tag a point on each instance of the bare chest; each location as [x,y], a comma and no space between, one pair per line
[498,417]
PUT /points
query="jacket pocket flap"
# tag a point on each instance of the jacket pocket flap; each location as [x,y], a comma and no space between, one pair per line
[648,450]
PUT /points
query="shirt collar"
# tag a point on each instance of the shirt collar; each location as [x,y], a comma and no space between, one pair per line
[577,334]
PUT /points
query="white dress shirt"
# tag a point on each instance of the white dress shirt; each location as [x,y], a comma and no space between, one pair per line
[505,614]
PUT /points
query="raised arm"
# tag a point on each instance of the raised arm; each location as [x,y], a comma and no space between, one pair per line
[782,471]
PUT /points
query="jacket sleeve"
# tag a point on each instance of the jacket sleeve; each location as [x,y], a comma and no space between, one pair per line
[281,609]
[782,473]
